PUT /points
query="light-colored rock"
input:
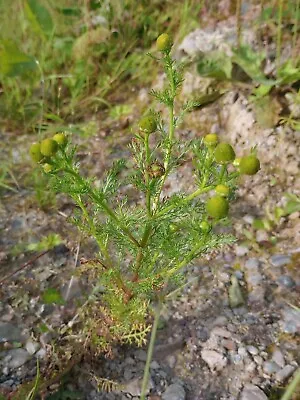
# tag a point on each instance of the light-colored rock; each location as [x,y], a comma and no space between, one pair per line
[31,346]
[218,331]
[17,357]
[216,361]
[278,358]
[252,350]
[174,392]
[134,387]
[9,333]
[252,392]
[285,373]
[280,260]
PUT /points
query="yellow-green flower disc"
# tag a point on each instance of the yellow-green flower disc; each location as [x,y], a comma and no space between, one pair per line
[249,165]
[236,162]
[205,226]
[217,207]
[164,42]
[47,168]
[148,124]
[49,147]
[35,152]
[211,139]
[222,190]
[60,138]
[224,153]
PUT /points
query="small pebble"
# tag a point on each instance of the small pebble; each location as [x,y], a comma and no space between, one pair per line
[218,331]
[270,367]
[252,350]
[285,373]
[286,281]
[258,359]
[278,358]
[252,263]
[252,392]
[280,260]
[229,344]
[241,251]
[174,392]
[216,361]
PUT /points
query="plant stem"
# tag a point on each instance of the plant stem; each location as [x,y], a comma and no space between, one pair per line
[170,74]
[101,202]
[222,172]
[93,230]
[295,31]
[279,32]
[190,197]
[148,195]
[150,350]
[238,23]
[292,386]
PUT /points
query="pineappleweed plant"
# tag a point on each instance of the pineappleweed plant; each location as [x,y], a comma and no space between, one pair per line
[143,248]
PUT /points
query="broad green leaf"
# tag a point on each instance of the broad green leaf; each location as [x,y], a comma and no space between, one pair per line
[261,90]
[250,61]
[206,99]
[288,74]
[215,65]
[52,296]
[258,224]
[39,17]
[13,61]
[267,110]
[291,207]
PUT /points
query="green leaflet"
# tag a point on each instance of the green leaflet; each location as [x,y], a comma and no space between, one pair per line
[39,17]
[13,61]
[52,296]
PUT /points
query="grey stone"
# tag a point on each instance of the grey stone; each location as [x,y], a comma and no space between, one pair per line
[252,392]
[219,321]
[285,373]
[31,346]
[140,355]
[261,236]
[171,360]
[252,263]
[174,392]
[17,358]
[218,331]
[154,365]
[252,350]
[254,279]
[235,294]
[41,354]
[134,387]
[128,374]
[241,251]
[286,281]
[278,358]
[9,333]
[202,334]
[270,367]
[291,320]
[258,359]
[216,361]
[280,260]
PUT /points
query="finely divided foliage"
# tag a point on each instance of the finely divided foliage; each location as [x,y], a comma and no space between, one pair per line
[143,247]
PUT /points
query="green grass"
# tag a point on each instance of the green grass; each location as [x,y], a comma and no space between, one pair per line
[82,68]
